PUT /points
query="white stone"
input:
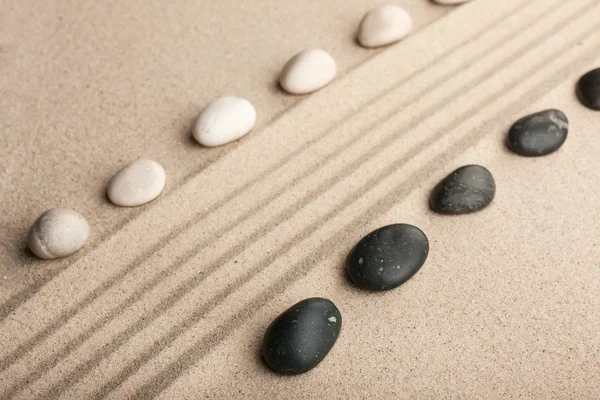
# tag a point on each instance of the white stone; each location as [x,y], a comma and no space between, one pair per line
[307,72]
[138,183]
[224,120]
[384,25]
[448,2]
[58,232]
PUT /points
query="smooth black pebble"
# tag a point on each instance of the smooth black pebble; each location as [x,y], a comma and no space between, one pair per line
[300,338]
[468,189]
[588,89]
[387,257]
[539,134]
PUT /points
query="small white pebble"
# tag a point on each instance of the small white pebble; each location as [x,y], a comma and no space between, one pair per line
[448,2]
[224,120]
[307,72]
[384,25]
[138,183]
[58,232]
[332,319]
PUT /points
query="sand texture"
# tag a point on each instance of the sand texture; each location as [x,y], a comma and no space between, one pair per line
[171,299]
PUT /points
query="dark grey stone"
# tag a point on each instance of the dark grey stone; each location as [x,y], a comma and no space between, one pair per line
[300,338]
[539,134]
[468,189]
[387,257]
[588,89]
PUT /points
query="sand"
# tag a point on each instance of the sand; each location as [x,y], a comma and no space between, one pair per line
[171,299]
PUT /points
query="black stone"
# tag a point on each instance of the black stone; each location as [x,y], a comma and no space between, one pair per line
[387,257]
[539,134]
[300,338]
[588,89]
[468,189]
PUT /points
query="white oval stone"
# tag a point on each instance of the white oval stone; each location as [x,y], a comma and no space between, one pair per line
[138,183]
[384,25]
[224,120]
[448,2]
[307,71]
[58,232]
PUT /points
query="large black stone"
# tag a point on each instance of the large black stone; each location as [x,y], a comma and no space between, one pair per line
[539,134]
[468,189]
[387,257]
[588,89]
[301,336]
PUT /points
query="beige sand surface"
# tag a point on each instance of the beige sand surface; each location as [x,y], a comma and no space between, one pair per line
[171,299]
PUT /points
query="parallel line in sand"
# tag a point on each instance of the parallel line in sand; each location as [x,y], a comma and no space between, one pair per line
[21,297]
[24,295]
[82,338]
[7,360]
[253,272]
[75,344]
[208,342]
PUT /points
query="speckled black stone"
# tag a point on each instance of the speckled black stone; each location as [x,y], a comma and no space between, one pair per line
[468,189]
[588,89]
[300,338]
[539,134]
[387,257]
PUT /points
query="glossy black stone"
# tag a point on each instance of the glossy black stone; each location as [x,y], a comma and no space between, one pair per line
[539,134]
[387,257]
[468,189]
[588,89]
[300,338]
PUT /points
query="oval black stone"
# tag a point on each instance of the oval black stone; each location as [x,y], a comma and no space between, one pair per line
[300,338]
[539,134]
[468,189]
[387,257]
[588,89]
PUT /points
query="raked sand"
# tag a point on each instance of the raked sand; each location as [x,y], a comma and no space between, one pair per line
[171,299]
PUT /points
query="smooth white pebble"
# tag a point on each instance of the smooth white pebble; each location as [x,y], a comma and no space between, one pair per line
[308,71]
[384,25]
[224,120]
[138,183]
[58,232]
